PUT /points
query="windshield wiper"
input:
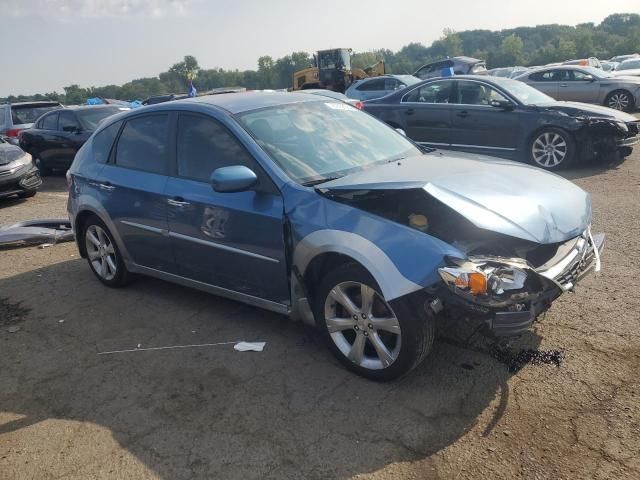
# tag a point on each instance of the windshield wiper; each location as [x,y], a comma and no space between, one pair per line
[318,181]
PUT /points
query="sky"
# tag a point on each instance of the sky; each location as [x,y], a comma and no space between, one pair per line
[49,44]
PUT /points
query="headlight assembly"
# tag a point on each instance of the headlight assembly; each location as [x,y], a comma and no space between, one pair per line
[482,278]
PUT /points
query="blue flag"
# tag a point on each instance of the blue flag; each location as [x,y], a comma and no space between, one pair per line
[192,90]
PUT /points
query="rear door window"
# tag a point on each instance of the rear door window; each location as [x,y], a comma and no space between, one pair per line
[67,122]
[50,122]
[372,85]
[144,144]
[103,141]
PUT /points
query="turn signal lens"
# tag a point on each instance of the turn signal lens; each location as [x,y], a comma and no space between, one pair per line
[477,283]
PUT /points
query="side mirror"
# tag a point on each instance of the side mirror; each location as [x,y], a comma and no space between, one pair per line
[503,104]
[589,78]
[236,178]
[401,132]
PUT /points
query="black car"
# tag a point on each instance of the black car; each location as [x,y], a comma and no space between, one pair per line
[459,65]
[56,136]
[507,118]
[18,175]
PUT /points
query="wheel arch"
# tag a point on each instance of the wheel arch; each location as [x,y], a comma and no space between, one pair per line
[322,250]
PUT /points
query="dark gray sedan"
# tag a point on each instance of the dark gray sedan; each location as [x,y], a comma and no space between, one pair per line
[586,84]
[507,118]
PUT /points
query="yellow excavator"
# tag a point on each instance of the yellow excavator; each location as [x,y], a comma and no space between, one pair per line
[332,71]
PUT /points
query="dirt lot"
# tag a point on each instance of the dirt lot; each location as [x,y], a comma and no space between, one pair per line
[292,411]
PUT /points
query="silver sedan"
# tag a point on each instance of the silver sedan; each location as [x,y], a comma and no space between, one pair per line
[585,84]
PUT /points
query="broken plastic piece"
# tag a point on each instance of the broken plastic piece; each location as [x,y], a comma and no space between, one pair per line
[249,346]
[36,232]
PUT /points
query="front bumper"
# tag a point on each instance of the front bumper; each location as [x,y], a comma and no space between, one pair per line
[573,261]
[24,179]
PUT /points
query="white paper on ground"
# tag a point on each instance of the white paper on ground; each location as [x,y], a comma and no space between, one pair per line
[249,346]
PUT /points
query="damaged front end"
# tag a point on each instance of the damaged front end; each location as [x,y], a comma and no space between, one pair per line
[515,257]
[508,294]
[602,137]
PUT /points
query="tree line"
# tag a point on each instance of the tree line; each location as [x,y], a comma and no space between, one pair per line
[617,34]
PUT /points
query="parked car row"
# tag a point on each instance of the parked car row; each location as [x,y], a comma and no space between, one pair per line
[507,118]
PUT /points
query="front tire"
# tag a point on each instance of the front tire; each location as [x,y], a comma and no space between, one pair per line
[365,332]
[103,255]
[552,149]
[620,100]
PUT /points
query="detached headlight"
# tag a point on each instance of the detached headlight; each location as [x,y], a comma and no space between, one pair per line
[480,278]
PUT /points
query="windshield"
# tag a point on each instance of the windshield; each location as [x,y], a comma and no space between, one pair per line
[91,117]
[21,114]
[334,59]
[317,141]
[629,64]
[524,93]
[408,79]
[597,72]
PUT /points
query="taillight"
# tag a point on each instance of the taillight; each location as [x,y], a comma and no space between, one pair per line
[69,181]
[13,132]
[359,105]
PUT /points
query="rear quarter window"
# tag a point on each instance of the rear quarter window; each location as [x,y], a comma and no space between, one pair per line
[103,142]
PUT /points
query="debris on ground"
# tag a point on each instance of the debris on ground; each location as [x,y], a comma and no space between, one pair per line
[249,346]
[44,232]
[13,329]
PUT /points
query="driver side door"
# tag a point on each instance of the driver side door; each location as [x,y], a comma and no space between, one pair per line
[579,86]
[233,241]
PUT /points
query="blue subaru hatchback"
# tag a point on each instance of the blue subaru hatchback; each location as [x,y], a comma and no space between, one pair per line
[309,207]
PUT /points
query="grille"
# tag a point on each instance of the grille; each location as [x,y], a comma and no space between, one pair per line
[567,278]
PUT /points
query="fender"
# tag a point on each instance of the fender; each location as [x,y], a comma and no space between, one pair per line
[392,283]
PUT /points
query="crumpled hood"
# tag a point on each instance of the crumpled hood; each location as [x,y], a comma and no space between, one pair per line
[497,195]
[576,109]
[9,153]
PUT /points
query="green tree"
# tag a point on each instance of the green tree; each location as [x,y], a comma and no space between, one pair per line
[511,50]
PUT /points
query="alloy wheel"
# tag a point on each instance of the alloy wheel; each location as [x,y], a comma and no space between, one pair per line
[619,101]
[101,252]
[362,325]
[549,149]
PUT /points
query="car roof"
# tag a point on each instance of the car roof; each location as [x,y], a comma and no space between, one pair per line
[95,107]
[245,101]
[35,102]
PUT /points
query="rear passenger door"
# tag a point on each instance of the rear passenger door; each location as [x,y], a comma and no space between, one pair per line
[546,81]
[234,240]
[131,188]
[426,112]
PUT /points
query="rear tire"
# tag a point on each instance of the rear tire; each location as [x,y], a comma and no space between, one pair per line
[620,100]
[365,333]
[551,149]
[103,255]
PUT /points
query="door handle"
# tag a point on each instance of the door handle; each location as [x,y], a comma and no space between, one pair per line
[463,114]
[178,202]
[106,186]
[564,85]
[410,111]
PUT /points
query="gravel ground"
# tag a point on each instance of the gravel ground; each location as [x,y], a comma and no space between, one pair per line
[292,411]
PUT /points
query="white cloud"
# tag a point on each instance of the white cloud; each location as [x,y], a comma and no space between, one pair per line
[66,9]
